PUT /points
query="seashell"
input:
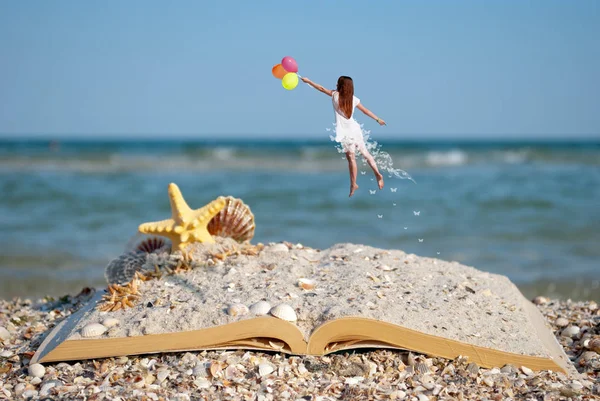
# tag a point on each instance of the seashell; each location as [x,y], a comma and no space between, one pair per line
[526,370]
[561,322]
[4,334]
[265,369]
[122,269]
[215,369]
[139,382]
[19,388]
[202,383]
[306,283]
[231,372]
[162,375]
[110,322]
[27,394]
[278,248]
[93,330]
[472,368]
[594,345]
[152,244]
[260,308]
[421,368]
[284,312]
[37,370]
[235,221]
[237,310]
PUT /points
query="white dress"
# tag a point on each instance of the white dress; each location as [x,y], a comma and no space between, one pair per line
[347,130]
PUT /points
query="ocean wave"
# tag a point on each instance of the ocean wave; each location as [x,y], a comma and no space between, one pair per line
[299,158]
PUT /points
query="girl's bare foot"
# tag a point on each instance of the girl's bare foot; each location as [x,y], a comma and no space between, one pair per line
[380,181]
[352,189]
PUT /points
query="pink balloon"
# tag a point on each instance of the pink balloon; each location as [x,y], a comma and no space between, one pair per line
[289,64]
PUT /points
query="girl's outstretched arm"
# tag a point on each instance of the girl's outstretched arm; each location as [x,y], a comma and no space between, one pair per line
[370,114]
[317,86]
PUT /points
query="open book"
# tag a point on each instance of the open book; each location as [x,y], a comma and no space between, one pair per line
[272,334]
[359,297]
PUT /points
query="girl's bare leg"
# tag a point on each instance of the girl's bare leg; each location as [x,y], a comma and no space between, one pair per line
[353,169]
[365,153]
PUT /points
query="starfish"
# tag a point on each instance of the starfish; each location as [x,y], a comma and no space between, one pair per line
[185,225]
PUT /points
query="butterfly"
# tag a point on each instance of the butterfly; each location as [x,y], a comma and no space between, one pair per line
[363,172]
[416,212]
[380,216]
[372,191]
[420,239]
[406,228]
[393,189]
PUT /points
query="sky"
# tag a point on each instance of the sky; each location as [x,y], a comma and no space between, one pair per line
[202,69]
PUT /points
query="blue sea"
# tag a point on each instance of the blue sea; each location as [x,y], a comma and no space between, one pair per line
[527,210]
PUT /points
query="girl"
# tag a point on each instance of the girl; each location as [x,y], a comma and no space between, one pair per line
[347,130]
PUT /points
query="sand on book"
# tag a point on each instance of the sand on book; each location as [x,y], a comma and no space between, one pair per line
[440,299]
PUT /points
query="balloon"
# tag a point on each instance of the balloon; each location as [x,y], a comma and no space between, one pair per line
[278,71]
[290,81]
[289,64]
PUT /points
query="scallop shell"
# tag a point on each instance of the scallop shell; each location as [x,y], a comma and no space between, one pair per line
[235,221]
[145,243]
[110,322]
[93,330]
[306,283]
[284,312]
[237,310]
[421,368]
[122,269]
[260,308]
[265,369]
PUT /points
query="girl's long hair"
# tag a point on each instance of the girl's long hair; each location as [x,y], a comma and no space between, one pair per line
[345,88]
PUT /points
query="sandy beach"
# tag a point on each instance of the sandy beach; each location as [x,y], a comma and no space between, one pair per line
[253,375]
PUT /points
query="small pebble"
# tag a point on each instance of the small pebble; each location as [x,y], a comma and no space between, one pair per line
[570,331]
[561,322]
[37,370]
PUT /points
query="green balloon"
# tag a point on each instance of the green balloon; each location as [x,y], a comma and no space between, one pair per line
[290,80]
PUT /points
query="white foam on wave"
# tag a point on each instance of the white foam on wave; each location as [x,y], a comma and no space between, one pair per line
[454,157]
[223,153]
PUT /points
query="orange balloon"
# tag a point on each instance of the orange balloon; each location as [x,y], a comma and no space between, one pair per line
[278,71]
